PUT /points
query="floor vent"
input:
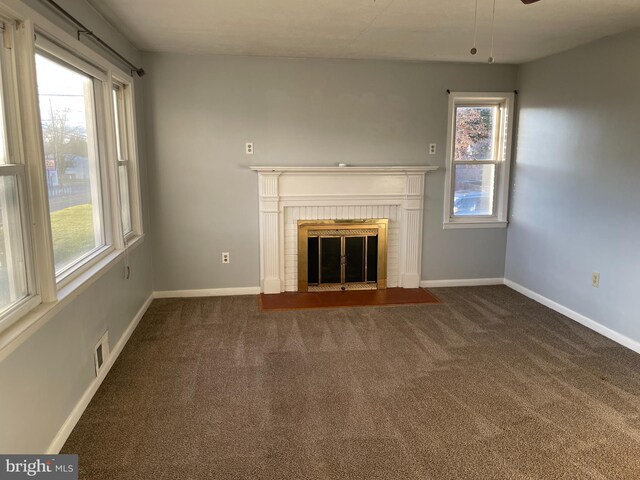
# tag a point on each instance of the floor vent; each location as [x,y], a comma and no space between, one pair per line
[101,353]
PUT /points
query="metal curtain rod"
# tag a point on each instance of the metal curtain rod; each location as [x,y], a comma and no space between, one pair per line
[515,91]
[85,31]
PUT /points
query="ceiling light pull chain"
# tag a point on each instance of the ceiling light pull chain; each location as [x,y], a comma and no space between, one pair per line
[493,31]
[474,50]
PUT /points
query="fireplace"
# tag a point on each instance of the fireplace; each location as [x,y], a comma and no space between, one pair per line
[342,254]
[341,195]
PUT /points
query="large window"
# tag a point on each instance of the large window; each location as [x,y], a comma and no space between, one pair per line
[68,107]
[69,194]
[478,160]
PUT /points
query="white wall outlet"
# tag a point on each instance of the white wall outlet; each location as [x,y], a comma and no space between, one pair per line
[225,257]
[595,279]
[432,149]
[249,148]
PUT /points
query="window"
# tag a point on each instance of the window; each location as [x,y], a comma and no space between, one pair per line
[122,152]
[478,156]
[69,194]
[69,102]
[17,289]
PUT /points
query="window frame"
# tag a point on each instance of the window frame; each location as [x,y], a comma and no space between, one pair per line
[68,59]
[127,137]
[16,168]
[502,159]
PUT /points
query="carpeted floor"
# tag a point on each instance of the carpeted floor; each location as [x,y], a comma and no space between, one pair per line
[487,384]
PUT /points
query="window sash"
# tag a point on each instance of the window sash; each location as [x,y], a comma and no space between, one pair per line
[497,139]
[494,190]
[30,297]
[121,127]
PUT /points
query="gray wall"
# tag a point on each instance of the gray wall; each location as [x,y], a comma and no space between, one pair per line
[576,201]
[45,377]
[201,110]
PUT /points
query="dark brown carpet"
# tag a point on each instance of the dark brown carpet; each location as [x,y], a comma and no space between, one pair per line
[351,298]
[486,384]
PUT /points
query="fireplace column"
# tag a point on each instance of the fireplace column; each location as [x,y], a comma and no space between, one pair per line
[411,232]
[270,232]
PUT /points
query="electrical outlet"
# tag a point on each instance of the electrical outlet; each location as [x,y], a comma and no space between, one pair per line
[225,257]
[595,279]
[432,149]
[249,148]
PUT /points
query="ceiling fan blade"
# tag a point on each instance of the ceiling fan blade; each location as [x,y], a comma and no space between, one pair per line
[529,2]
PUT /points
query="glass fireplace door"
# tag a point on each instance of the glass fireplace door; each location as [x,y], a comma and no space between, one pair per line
[338,260]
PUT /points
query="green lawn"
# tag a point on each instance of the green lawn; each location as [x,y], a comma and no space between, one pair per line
[72,230]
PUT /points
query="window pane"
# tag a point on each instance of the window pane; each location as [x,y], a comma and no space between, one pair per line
[473,193]
[13,278]
[118,123]
[125,204]
[70,146]
[475,133]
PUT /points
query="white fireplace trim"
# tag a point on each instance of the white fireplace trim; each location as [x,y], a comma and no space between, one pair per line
[280,188]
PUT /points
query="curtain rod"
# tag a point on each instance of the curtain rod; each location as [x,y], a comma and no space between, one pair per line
[85,31]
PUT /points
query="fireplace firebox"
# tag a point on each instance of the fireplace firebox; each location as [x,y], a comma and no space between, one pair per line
[342,254]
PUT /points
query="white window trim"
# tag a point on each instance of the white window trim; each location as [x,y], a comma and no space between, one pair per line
[501,195]
[70,60]
[132,158]
[51,298]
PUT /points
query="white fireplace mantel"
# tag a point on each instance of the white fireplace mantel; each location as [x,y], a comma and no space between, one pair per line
[343,192]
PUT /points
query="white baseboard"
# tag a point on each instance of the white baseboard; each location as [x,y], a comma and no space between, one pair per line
[464,282]
[207,292]
[71,421]
[578,317]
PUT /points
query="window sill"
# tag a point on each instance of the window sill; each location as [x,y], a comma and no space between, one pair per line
[15,334]
[460,224]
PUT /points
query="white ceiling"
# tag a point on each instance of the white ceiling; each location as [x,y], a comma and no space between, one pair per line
[382,29]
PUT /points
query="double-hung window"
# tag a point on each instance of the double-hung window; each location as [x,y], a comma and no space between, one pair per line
[478,158]
[17,283]
[71,105]
[123,147]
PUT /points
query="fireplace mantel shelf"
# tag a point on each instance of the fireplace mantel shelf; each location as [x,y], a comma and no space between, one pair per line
[348,169]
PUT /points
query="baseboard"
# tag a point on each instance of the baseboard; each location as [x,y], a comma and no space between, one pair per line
[578,317]
[71,421]
[207,292]
[464,282]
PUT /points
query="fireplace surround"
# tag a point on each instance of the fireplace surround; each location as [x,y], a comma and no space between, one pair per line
[289,194]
